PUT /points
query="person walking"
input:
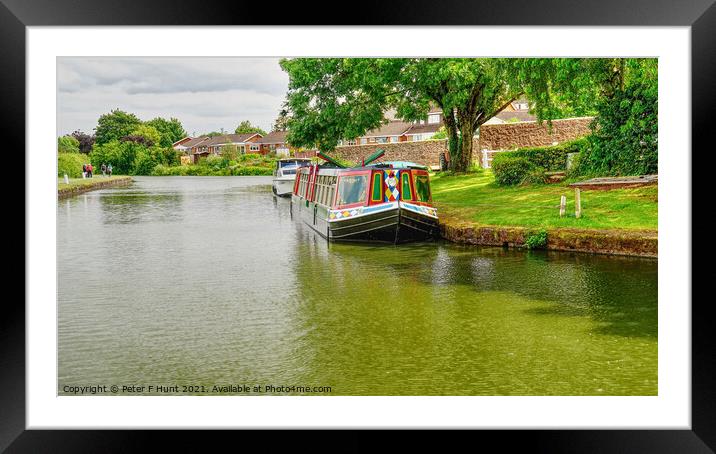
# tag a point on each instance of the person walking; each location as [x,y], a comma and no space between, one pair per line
[89,170]
[109,169]
[84,171]
[104,169]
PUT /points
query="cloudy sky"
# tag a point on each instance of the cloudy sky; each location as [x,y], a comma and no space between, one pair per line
[205,94]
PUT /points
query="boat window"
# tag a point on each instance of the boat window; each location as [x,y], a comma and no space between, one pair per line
[422,188]
[352,189]
[288,171]
[377,194]
[405,193]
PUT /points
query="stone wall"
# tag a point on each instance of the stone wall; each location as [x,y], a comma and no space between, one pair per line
[531,134]
[426,152]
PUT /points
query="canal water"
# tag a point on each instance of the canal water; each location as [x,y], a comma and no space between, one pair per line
[196,282]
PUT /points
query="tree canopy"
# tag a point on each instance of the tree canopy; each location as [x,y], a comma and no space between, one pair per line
[330,99]
[171,130]
[115,125]
[245,127]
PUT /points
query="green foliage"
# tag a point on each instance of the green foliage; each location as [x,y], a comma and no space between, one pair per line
[245,127]
[70,164]
[440,134]
[68,144]
[171,130]
[625,139]
[130,158]
[114,126]
[511,170]
[535,176]
[149,134]
[536,240]
[230,152]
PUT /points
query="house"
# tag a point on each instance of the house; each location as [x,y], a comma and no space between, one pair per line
[401,131]
[200,147]
[517,111]
[275,142]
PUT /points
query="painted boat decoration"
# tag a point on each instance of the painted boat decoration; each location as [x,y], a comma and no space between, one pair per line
[386,202]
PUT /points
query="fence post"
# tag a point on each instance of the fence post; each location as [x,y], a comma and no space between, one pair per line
[577,204]
[67,180]
[562,206]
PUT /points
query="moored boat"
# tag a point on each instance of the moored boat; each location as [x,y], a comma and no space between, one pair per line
[386,202]
[285,174]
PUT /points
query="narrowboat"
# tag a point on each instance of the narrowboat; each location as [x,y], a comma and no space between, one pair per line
[386,202]
[284,175]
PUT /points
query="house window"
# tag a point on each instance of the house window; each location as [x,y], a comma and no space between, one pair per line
[350,142]
[381,140]
[254,148]
[434,119]
[364,141]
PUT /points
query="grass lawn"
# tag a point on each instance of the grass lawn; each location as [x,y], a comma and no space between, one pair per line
[80,182]
[477,199]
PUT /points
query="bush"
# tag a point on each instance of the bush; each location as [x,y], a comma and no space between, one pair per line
[535,176]
[510,170]
[536,240]
[70,164]
[251,170]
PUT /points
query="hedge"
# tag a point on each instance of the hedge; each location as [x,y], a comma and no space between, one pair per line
[71,164]
[511,170]
[551,158]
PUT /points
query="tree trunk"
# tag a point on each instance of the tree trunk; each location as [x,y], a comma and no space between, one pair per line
[464,161]
[453,138]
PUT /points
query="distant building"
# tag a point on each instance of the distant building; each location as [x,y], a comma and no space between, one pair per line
[275,142]
[200,147]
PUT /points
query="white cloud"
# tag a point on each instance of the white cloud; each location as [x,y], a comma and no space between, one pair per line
[205,94]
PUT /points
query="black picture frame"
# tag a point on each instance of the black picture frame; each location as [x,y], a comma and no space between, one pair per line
[700,15]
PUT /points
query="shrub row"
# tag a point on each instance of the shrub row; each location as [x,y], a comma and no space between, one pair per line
[205,170]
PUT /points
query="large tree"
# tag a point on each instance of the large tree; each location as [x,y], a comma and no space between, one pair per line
[115,125]
[245,127]
[335,98]
[171,130]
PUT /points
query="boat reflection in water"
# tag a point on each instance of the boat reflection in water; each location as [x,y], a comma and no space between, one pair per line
[386,202]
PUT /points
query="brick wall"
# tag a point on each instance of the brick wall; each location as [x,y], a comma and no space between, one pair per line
[492,137]
[531,134]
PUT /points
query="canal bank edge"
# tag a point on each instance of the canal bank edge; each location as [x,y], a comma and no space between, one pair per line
[93,185]
[643,243]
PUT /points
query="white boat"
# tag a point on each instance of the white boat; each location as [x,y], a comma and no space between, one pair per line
[284,175]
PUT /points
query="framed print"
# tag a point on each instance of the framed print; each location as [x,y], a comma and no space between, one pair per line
[261,226]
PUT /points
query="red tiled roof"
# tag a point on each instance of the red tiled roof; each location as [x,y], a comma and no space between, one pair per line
[424,128]
[274,137]
[392,128]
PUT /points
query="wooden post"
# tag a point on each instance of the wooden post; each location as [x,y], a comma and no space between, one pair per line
[67,180]
[562,206]
[577,204]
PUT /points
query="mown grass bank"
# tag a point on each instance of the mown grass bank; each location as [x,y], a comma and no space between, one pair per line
[473,209]
[80,185]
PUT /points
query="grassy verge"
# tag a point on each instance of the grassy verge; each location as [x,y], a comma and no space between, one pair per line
[80,185]
[87,182]
[476,199]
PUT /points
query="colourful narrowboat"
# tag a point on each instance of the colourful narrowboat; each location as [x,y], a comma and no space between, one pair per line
[386,202]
